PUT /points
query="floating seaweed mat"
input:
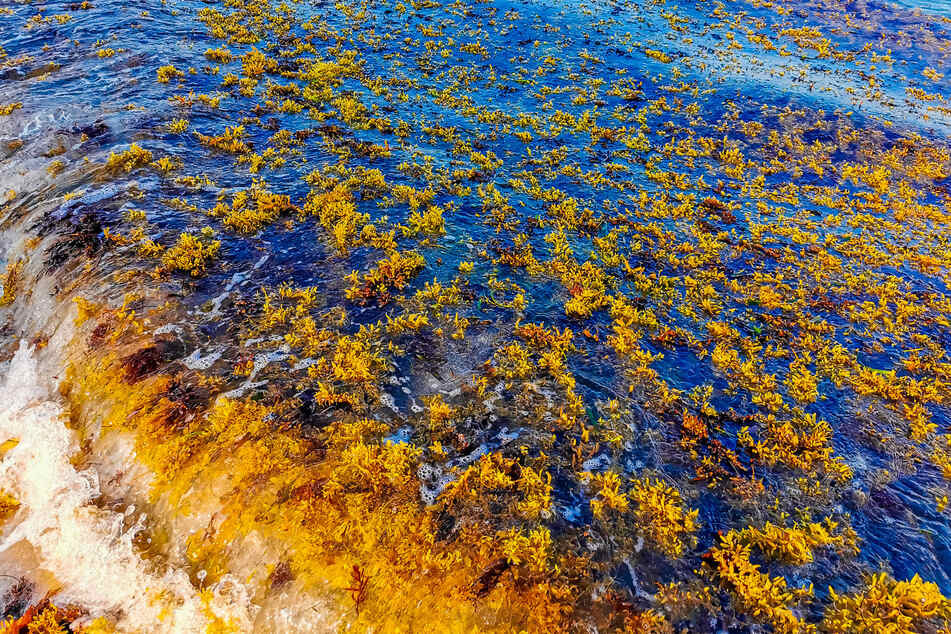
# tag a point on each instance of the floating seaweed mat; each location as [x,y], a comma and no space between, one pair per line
[505,316]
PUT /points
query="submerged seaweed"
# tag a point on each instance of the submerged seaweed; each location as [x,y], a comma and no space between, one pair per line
[489,316]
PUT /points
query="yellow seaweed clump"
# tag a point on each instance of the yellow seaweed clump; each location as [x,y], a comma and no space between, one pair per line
[765,598]
[427,223]
[658,510]
[191,254]
[167,73]
[11,282]
[177,126]
[660,56]
[608,496]
[391,273]
[44,618]
[167,164]
[338,215]
[9,108]
[354,365]
[803,443]
[230,141]
[531,551]
[655,507]
[647,622]
[496,482]
[56,168]
[587,284]
[797,545]
[220,55]
[885,605]
[254,63]
[8,506]
[252,209]
[133,158]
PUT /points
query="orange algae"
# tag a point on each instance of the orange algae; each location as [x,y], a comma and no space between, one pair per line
[651,275]
[332,493]
[8,506]
[11,282]
[43,618]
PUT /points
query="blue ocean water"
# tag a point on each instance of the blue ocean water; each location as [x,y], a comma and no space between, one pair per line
[691,70]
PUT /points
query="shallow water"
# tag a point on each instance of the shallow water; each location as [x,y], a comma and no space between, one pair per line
[728,222]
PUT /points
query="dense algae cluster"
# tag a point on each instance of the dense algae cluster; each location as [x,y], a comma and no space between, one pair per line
[491,316]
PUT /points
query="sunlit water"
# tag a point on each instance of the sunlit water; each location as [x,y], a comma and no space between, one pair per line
[87,87]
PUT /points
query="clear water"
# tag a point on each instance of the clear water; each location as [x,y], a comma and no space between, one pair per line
[679,80]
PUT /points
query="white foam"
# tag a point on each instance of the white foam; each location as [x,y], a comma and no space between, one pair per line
[169,329]
[598,463]
[261,361]
[240,391]
[88,550]
[386,400]
[432,481]
[195,361]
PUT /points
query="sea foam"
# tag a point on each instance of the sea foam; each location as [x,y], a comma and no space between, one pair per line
[60,532]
